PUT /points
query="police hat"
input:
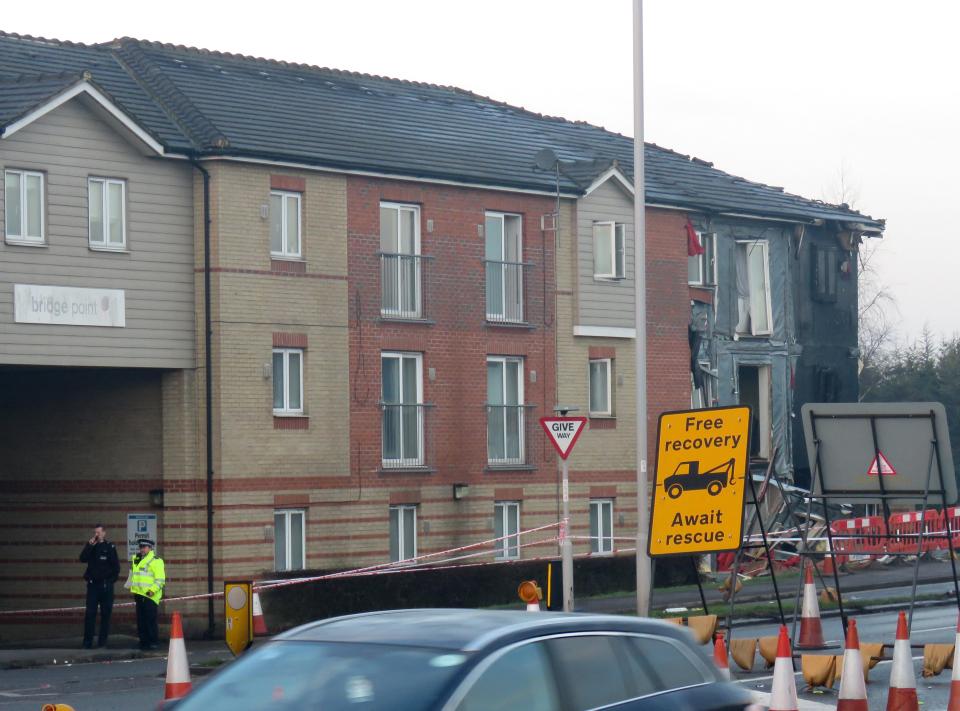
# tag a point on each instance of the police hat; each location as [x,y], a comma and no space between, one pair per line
[145,542]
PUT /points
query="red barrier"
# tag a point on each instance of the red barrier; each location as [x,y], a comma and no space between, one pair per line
[907,527]
[953,513]
[858,537]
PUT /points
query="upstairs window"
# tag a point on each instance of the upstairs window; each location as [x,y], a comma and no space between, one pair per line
[753,289]
[701,267]
[23,206]
[287,381]
[106,207]
[824,273]
[601,526]
[506,527]
[601,402]
[289,539]
[504,263]
[609,250]
[285,224]
[403,532]
[505,411]
[400,261]
[402,403]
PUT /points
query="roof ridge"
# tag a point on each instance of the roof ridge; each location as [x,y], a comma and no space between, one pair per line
[26,78]
[49,40]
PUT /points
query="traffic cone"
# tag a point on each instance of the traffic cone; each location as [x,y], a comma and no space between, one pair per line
[811,631]
[903,682]
[178,670]
[783,691]
[954,703]
[826,567]
[720,657]
[853,688]
[259,624]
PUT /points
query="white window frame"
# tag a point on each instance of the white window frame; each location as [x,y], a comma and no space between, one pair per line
[104,243]
[509,547]
[285,252]
[23,238]
[402,509]
[521,307]
[604,542]
[406,461]
[619,257]
[609,366]
[286,409]
[765,246]
[418,293]
[522,458]
[288,514]
[706,262]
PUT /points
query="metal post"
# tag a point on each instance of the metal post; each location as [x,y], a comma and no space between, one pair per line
[566,545]
[696,573]
[946,509]
[920,534]
[766,549]
[640,301]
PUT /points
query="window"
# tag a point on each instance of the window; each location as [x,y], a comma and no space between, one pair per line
[601,526]
[506,524]
[591,666]
[504,260]
[287,381]
[505,411]
[609,250]
[673,668]
[701,268]
[289,539]
[284,224]
[401,386]
[824,272]
[521,678]
[106,208]
[403,532]
[601,402]
[400,261]
[753,383]
[23,205]
[753,289]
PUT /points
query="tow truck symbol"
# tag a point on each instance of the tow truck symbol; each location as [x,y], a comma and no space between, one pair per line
[688,476]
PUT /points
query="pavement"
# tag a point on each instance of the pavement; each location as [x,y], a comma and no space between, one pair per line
[68,651]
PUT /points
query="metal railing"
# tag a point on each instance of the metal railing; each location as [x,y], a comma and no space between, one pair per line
[403,431]
[504,291]
[401,285]
[507,435]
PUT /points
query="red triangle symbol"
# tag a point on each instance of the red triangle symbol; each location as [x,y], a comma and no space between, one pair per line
[880,465]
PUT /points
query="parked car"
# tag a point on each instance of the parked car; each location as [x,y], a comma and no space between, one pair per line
[472,660]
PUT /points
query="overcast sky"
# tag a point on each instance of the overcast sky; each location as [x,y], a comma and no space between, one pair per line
[782,92]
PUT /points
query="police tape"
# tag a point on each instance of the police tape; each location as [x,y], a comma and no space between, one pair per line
[417,563]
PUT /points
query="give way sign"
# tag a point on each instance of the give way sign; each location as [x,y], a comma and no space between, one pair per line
[563,432]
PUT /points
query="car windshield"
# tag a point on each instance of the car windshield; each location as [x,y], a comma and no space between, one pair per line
[329,676]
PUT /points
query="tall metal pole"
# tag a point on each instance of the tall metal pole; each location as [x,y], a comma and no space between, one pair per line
[566,545]
[640,288]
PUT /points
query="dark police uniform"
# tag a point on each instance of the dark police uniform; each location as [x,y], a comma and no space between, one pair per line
[103,569]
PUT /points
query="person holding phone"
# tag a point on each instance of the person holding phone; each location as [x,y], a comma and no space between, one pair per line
[103,569]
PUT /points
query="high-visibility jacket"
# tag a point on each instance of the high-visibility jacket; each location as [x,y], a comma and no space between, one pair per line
[147,577]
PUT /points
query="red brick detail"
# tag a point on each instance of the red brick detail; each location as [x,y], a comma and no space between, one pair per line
[597,352]
[287,266]
[288,182]
[291,423]
[270,272]
[410,496]
[701,294]
[502,493]
[291,500]
[603,492]
[603,423]
[289,340]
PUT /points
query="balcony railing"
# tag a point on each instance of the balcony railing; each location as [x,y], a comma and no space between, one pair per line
[508,435]
[505,291]
[401,285]
[404,440]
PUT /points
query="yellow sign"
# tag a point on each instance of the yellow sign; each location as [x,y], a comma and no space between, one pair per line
[699,485]
[238,614]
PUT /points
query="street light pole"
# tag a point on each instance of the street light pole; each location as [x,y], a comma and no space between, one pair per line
[640,295]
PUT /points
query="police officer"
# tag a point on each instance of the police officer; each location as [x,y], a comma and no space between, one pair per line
[103,569]
[147,578]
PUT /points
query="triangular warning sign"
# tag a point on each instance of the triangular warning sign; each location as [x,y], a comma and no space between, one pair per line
[563,432]
[881,465]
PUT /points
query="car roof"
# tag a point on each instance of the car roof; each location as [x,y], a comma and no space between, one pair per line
[467,630]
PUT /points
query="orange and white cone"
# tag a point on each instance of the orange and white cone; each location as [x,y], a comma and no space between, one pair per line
[178,670]
[811,630]
[853,688]
[259,624]
[903,682]
[783,691]
[720,657]
[954,703]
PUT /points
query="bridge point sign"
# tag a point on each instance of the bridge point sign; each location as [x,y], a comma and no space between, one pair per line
[699,483]
[563,432]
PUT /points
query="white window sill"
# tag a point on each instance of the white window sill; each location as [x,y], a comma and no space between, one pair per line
[601,416]
[13,241]
[287,257]
[113,250]
[288,413]
[614,279]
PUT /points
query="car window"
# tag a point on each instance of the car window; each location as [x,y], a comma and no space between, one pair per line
[520,679]
[333,676]
[673,668]
[591,670]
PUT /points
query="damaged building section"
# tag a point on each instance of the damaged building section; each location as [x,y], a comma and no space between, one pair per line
[774,323]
